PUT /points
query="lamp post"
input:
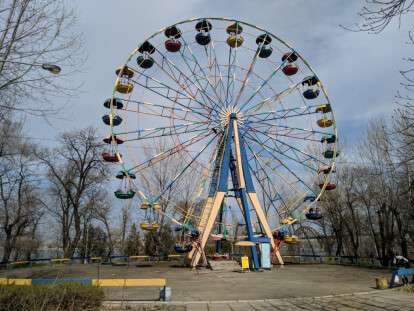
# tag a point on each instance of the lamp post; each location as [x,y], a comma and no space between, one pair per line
[52,68]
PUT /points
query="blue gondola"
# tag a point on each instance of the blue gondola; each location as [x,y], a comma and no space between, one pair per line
[194,233]
[116,103]
[203,38]
[178,228]
[329,139]
[311,94]
[145,62]
[310,81]
[309,198]
[182,250]
[124,174]
[313,214]
[116,120]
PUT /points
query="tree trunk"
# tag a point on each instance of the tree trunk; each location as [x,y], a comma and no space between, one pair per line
[8,248]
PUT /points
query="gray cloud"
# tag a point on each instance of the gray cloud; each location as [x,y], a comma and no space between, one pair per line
[359,70]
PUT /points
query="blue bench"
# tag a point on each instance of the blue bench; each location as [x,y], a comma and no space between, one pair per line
[402,272]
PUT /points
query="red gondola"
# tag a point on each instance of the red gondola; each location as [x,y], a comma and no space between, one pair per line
[110,157]
[290,57]
[329,186]
[172,45]
[290,69]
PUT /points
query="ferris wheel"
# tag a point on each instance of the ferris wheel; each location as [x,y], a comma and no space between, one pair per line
[231,115]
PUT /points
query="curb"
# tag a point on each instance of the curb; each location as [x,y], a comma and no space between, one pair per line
[181,302]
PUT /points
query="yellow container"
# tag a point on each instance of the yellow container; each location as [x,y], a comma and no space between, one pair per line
[381,283]
[245,263]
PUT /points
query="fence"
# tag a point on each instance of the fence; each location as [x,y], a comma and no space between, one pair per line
[126,260]
[120,260]
[338,260]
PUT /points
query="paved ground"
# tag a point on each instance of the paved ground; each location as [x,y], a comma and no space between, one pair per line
[388,300]
[292,281]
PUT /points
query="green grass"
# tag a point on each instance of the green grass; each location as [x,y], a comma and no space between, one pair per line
[408,289]
[50,297]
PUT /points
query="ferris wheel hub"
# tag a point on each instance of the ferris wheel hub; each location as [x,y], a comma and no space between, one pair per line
[228,113]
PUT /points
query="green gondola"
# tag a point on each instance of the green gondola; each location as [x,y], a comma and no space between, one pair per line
[329,154]
[119,194]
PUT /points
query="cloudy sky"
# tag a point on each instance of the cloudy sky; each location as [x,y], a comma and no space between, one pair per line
[360,71]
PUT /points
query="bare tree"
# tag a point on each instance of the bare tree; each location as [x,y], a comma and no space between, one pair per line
[376,15]
[75,172]
[176,198]
[20,197]
[32,33]
[102,213]
[178,183]
[125,220]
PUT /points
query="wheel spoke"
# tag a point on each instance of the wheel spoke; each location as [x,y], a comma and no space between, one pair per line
[280,114]
[162,111]
[266,168]
[185,168]
[246,77]
[229,71]
[216,68]
[168,153]
[172,94]
[166,131]
[264,147]
[294,150]
[279,134]
[170,65]
[290,128]
[263,188]
[262,85]
[187,47]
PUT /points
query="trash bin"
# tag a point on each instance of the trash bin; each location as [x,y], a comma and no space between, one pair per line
[265,256]
[245,263]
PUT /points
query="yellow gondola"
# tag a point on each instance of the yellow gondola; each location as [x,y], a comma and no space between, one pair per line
[156,205]
[235,41]
[145,205]
[291,239]
[324,122]
[124,87]
[289,221]
[150,226]
[323,108]
[234,28]
[125,71]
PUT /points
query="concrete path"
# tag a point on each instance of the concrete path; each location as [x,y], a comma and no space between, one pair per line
[292,281]
[388,300]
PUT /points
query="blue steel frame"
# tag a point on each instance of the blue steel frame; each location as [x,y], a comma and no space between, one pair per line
[227,165]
